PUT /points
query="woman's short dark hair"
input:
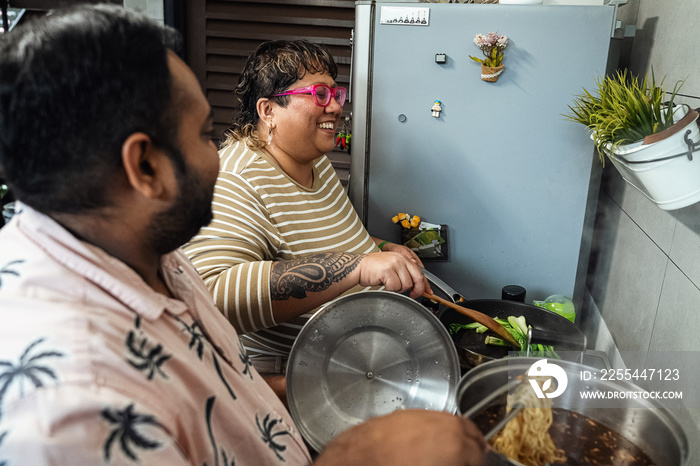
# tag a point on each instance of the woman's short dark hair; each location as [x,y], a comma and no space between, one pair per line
[270,70]
[74,85]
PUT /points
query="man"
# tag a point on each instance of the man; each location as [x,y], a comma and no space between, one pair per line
[111,350]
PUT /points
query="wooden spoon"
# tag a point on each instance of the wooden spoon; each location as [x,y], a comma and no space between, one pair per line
[483,319]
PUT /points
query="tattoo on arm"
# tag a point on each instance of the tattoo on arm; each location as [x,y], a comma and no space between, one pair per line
[295,278]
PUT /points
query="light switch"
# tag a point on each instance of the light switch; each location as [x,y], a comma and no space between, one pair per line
[440,58]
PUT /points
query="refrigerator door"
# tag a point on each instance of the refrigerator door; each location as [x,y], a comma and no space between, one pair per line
[500,166]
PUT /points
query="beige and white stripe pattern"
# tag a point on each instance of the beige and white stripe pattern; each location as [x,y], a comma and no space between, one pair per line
[262,215]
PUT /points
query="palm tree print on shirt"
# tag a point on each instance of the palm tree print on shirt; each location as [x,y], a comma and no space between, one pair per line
[268,437]
[30,368]
[224,456]
[6,270]
[198,341]
[2,437]
[245,359]
[125,432]
[148,360]
[197,337]
[221,375]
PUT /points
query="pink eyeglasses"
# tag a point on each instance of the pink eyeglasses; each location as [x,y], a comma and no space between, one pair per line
[321,93]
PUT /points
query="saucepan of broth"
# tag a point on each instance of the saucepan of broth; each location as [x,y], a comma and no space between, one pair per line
[625,431]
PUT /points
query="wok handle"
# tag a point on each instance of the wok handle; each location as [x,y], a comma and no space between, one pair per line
[442,286]
[546,337]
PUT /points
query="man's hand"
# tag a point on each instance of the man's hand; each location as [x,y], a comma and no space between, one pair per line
[410,437]
[394,271]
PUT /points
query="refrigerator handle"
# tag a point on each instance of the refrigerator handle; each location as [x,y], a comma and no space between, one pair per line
[352,56]
[360,79]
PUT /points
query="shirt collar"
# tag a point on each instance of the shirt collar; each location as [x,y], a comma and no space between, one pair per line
[102,269]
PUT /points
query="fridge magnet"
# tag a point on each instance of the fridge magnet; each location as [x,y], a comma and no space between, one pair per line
[437,108]
[492,46]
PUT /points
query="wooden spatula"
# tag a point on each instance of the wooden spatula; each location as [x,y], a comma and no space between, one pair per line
[483,319]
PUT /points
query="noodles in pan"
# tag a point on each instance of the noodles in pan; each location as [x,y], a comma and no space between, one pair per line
[526,437]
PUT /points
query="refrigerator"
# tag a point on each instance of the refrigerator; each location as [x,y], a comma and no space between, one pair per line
[512,182]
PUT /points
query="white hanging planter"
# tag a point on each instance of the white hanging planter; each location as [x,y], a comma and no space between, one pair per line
[667,171]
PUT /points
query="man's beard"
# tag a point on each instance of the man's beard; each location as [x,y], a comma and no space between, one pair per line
[191,211]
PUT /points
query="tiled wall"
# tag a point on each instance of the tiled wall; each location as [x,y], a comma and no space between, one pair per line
[644,274]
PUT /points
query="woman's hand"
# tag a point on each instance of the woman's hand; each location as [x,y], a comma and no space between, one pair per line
[404,251]
[395,271]
[415,437]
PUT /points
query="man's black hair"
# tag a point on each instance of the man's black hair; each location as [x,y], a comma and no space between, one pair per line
[74,85]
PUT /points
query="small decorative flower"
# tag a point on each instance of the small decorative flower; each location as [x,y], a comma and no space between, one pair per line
[492,45]
[407,221]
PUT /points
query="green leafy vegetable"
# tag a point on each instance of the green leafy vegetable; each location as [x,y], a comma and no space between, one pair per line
[516,326]
[518,323]
[496,341]
[455,327]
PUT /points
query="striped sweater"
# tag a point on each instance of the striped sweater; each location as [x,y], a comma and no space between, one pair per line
[261,215]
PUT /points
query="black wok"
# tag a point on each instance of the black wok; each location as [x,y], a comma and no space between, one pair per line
[471,347]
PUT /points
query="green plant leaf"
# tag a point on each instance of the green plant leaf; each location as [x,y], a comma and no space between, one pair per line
[622,109]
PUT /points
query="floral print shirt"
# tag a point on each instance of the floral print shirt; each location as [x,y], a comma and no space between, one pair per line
[98,368]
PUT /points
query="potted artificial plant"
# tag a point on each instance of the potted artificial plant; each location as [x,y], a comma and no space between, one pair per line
[492,46]
[648,139]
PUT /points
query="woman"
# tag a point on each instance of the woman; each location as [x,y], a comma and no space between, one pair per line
[285,238]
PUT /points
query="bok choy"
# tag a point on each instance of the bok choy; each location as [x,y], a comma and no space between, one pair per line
[516,326]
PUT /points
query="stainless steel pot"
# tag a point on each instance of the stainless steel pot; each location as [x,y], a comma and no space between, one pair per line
[642,421]
[365,355]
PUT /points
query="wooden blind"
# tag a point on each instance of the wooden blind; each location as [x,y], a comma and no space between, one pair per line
[222,33]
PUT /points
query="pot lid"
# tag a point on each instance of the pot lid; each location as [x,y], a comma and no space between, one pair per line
[365,355]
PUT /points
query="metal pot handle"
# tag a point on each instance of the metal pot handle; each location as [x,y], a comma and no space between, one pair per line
[442,286]
[547,337]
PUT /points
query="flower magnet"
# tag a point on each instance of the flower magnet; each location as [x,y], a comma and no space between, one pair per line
[492,46]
